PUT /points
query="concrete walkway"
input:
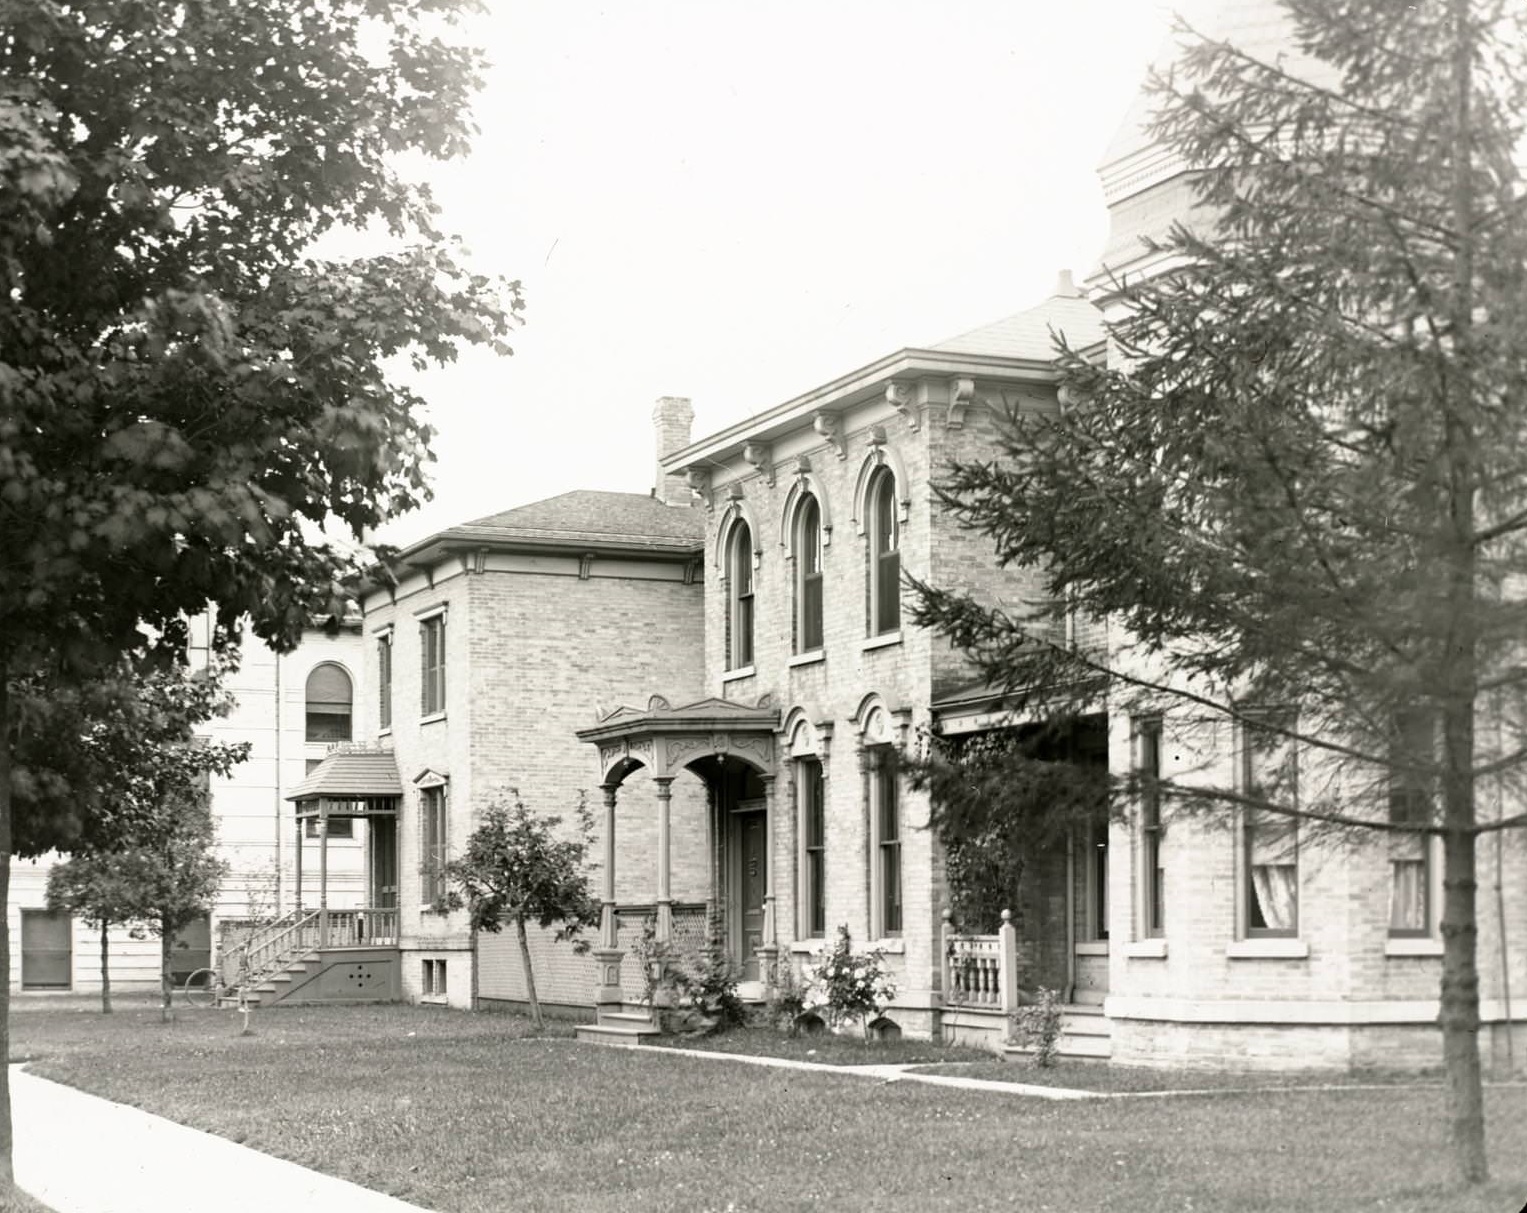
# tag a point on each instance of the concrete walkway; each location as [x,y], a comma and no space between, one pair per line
[81,1154]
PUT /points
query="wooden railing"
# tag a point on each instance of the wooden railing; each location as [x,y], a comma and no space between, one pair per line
[981,971]
[369,927]
[268,948]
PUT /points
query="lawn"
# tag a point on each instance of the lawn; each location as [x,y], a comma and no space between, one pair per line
[823,1048]
[471,1114]
[1111,1079]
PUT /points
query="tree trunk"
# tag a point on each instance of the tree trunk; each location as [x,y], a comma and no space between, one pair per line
[1460,1009]
[7,1173]
[530,977]
[166,951]
[105,972]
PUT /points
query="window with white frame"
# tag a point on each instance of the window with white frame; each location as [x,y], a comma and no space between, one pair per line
[884,530]
[1152,875]
[432,665]
[384,680]
[885,842]
[433,979]
[1413,750]
[432,845]
[739,596]
[329,695]
[811,791]
[808,575]
[1270,839]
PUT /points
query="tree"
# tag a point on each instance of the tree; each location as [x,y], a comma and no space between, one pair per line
[95,888]
[1297,480]
[187,394]
[516,870]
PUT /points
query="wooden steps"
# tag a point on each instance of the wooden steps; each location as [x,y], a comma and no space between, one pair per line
[625,1028]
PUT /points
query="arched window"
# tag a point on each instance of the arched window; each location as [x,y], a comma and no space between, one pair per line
[808,575]
[329,695]
[885,554]
[739,582]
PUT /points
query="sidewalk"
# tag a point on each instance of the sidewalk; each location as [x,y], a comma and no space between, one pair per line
[82,1154]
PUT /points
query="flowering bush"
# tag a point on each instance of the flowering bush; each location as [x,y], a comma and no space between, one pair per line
[1037,1026]
[849,985]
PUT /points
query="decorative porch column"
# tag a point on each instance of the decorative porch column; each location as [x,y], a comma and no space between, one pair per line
[299,867]
[664,888]
[323,873]
[768,951]
[607,955]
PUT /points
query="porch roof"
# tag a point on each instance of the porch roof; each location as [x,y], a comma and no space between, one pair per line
[666,738]
[351,775]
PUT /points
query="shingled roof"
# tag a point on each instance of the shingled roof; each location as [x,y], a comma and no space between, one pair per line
[1030,334]
[346,775]
[586,516]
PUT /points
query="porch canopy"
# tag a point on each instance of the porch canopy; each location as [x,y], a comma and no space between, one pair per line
[703,737]
[352,781]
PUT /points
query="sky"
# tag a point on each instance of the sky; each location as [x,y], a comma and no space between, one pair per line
[736,202]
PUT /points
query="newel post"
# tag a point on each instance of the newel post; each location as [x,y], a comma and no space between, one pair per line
[946,953]
[1007,939]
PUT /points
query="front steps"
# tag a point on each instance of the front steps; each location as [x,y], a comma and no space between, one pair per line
[1085,1034]
[337,975]
[625,1028]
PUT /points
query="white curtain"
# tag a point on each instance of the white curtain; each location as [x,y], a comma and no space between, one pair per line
[1407,903]
[1276,887]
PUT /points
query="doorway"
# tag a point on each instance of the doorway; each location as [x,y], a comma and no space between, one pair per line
[748,883]
[382,876]
[47,950]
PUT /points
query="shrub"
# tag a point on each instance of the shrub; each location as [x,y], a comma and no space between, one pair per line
[850,985]
[693,991]
[787,997]
[1038,1026]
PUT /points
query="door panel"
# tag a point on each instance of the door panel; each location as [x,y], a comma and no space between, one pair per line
[383,893]
[47,954]
[752,880]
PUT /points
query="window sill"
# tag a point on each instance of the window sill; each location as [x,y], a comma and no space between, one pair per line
[1418,945]
[882,641]
[1091,947]
[812,658]
[1146,949]
[895,946]
[438,999]
[1268,949]
[385,731]
[808,947]
[432,718]
[746,671]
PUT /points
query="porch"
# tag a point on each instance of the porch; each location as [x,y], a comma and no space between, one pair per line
[321,953]
[731,748]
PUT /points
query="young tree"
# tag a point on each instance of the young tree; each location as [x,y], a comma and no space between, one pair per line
[516,869]
[187,394]
[95,888]
[1298,479]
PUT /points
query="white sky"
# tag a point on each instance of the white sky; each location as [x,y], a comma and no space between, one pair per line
[735,202]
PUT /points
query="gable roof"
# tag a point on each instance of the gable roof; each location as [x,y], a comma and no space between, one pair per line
[1031,334]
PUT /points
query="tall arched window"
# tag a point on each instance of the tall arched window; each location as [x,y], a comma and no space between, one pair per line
[329,695]
[808,575]
[884,531]
[739,582]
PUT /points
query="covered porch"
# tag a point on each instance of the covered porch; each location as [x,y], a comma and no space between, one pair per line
[732,749]
[317,953]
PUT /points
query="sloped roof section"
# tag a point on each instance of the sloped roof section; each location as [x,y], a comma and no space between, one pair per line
[1030,335]
[347,774]
[587,516]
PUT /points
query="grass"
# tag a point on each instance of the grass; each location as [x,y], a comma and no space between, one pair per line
[1101,1077]
[20,1202]
[470,1113]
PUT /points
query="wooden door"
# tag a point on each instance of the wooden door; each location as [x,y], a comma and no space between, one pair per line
[47,953]
[750,871]
[383,893]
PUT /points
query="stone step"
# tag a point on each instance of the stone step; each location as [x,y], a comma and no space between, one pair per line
[1085,1025]
[608,1034]
[1100,1047]
[626,1019]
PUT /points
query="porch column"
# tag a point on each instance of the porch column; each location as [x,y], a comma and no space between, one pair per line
[608,954]
[323,873]
[299,866]
[664,890]
[768,951]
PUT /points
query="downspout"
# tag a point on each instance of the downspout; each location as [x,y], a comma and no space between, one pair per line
[280,840]
[1500,897]
[1070,916]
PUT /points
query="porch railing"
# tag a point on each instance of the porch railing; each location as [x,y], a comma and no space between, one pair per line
[268,948]
[368,927]
[981,971]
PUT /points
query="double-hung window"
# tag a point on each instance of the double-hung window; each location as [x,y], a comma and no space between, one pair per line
[884,529]
[885,835]
[1412,754]
[739,576]
[384,680]
[1152,877]
[432,845]
[808,575]
[811,796]
[432,665]
[1270,775]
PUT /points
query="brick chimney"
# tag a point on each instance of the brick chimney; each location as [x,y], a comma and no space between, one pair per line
[671,418]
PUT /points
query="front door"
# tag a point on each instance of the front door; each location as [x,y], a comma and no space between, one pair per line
[47,958]
[383,893]
[749,880]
